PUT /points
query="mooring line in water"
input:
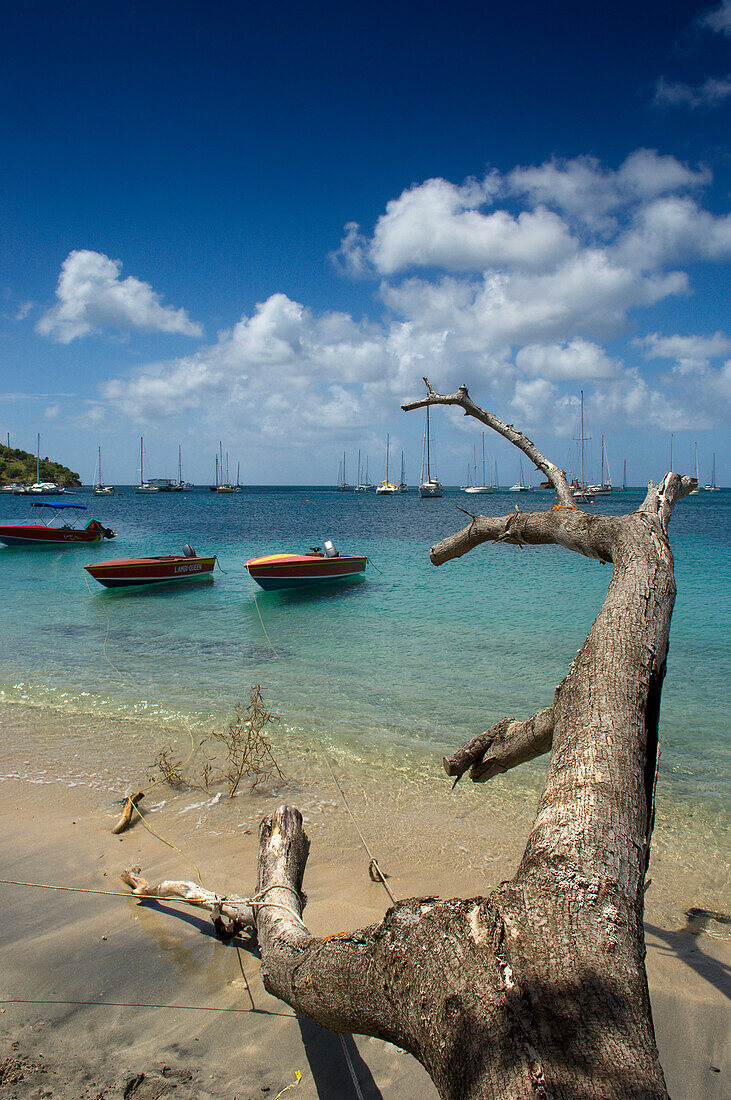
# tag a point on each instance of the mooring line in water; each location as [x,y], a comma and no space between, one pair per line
[131,799]
[256,605]
[374,870]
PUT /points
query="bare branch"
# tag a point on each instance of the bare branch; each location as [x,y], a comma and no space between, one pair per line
[592,536]
[231,906]
[462,398]
[505,745]
[662,498]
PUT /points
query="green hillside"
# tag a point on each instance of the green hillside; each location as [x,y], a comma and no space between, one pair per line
[20,466]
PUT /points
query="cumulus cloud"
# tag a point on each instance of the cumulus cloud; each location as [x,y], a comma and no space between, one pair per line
[674,229]
[711,93]
[696,349]
[578,359]
[93,296]
[439,224]
[283,361]
[717,20]
[522,278]
[584,189]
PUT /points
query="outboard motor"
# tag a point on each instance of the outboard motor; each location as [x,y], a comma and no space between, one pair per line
[188,551]
[330,551]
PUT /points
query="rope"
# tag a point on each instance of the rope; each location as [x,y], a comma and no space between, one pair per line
[373,868]
[70,889]
[161,779]
[256,605]
[253,901]
[349,1061]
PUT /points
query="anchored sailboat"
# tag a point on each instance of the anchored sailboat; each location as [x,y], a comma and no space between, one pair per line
[99,489]
[713,488]
[144,486]
[387,488]
[342,480]
[520,486]
[429,486]
[484,487]
[694,492]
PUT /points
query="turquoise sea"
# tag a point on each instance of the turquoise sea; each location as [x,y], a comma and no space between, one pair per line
[410,661]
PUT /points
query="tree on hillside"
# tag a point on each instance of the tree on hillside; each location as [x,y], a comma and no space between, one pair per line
[539,989]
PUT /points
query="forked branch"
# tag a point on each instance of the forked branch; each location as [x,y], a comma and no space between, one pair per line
[462,398]
[503,746]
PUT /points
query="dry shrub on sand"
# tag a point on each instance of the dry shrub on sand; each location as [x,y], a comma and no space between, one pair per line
[240,751]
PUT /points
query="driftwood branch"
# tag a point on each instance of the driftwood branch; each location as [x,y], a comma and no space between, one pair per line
[503,746]
[232,907]
[462,398]
[129,808]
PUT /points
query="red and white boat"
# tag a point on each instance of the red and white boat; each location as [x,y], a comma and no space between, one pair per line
[61,528]
[125,572]
[277,571]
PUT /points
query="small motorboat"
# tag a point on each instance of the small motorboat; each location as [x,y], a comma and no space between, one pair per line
[125,572]
[276,571]
[61,529]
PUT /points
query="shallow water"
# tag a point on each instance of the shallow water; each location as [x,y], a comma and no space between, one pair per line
[397,667]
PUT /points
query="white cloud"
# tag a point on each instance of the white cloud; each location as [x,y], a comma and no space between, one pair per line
[582,188]
[711,93]
[673,229]
[689,352]
[578,359]
[519,305]
[440,224]
[288,365]
[717,20]
[93,296]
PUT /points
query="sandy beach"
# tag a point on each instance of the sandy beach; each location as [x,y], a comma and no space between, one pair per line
[105,997]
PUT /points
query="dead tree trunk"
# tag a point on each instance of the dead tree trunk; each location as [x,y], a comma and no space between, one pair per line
[540,989]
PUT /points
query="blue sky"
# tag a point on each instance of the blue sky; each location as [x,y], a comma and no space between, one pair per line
[264,225]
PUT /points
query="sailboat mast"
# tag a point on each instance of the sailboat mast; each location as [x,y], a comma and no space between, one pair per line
[388,444]
[142,475]
[38,460]
[624,475]
[101,479]
[602,480]
[428,446]
[483,459]
[359,481]
[671,452]
[583,483]
[180,464]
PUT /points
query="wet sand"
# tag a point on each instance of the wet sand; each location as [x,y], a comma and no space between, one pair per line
[105,997]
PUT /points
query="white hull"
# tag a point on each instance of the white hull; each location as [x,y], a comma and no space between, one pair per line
[431,489]
[478,489]
[388,490]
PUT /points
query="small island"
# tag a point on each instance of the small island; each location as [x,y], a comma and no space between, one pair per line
[22,468]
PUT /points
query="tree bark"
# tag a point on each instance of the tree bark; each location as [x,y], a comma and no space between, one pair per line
[539,990]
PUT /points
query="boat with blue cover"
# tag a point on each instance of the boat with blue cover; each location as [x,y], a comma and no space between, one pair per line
[58,526]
